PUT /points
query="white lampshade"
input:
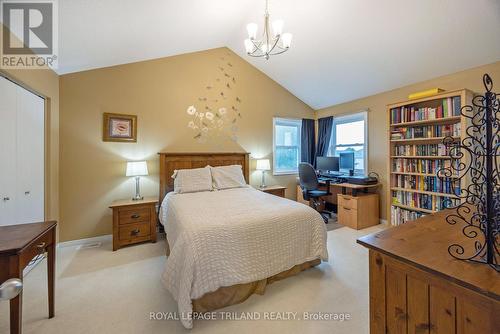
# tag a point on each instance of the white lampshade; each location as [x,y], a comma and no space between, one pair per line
[252,30]
[137,168]
[249,47]
[287,40]
[278,27]
[263,164]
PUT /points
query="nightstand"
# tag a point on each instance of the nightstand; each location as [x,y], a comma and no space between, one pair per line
[134,221]
[274,190]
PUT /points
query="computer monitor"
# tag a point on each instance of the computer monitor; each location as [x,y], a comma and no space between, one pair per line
[346,161]
[327,164]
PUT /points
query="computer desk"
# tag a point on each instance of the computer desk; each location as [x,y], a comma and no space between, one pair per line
[344,186]
[354,188]
[354,210]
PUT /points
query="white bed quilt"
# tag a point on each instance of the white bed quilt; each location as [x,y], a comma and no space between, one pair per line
[234,236]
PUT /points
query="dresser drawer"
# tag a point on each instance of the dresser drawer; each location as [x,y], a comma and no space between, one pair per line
[347,201]
[37,247]
[135,231]
[135,215]
[276,192]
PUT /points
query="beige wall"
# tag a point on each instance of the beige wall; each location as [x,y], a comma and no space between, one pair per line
[159,92]
[377,116]
[46,83]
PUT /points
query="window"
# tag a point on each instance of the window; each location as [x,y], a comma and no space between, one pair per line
[349,133]
[286,145]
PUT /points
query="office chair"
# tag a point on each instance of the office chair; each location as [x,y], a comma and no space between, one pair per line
[310,188]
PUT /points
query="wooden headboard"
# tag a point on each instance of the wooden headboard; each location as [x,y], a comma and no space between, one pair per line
[172,161]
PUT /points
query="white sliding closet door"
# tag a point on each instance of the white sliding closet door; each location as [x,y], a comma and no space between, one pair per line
[8,106]
[30,157]
[22,162]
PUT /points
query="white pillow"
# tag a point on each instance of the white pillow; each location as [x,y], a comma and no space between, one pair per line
[192,180]
[226,177]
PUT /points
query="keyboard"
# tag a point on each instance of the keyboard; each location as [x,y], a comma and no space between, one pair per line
[332,175]
[335,179]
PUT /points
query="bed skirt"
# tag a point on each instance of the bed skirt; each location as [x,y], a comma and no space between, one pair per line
[235,294]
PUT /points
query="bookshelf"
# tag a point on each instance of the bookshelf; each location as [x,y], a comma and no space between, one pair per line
[416,132]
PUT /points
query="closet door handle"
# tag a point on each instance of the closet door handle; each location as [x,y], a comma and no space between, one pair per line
[27,192]
[6,199]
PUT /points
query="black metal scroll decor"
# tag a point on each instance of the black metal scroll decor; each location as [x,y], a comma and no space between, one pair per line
[475,162]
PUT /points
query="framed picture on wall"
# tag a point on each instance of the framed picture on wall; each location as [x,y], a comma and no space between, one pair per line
[119,127]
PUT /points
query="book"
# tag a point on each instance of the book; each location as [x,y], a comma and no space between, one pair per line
[456,106]
[426,131]
[418,184]
[400,216]
[425,93]
[447,108]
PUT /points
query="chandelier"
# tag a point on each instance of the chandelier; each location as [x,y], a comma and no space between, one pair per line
[272,42]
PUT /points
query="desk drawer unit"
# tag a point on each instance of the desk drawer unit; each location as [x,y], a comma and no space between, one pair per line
[358,212]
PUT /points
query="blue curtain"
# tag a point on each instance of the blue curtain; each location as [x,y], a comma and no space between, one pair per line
[324,135]
[307,138]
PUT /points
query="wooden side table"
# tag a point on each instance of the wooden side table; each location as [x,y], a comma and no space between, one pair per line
[19,244]
[274,190]
[134,221]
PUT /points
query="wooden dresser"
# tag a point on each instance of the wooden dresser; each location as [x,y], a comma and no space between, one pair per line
[134,221]
[417,287]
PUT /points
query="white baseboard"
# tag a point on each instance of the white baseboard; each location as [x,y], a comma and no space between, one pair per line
[79,242]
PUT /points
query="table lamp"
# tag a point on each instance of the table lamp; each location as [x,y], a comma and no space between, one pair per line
[137,169]
[263,165]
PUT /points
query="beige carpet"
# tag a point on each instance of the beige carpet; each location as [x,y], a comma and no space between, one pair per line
[100,291]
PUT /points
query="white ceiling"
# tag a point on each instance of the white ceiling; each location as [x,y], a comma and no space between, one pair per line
[342,49]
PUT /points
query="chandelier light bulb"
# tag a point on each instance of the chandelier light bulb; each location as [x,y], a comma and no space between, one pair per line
[287,40]
[252,30]
[278,27]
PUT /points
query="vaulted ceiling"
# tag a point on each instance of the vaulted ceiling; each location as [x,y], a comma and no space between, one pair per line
[341,50]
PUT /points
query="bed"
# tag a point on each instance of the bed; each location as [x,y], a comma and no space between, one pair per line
[228,244]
